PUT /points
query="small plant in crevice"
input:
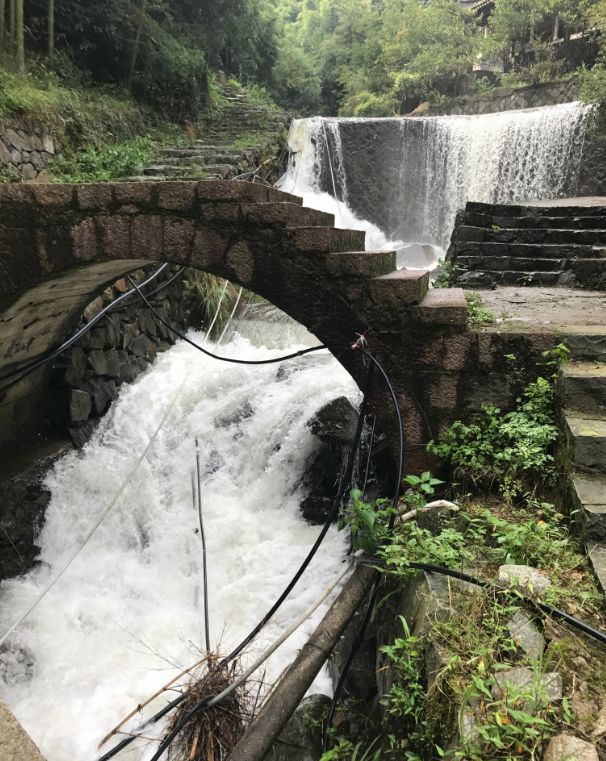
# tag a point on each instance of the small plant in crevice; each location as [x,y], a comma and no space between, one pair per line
[476,311]
[367,522]
[445,274]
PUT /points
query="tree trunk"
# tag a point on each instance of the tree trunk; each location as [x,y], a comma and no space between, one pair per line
[20,37]
[133,62]
[51,29]
[10,47]
[2,27]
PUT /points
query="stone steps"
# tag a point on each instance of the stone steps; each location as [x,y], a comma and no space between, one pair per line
[582,386]
[548,222]
[530,235]
[586,440]
[532,251]
[582,392]
[529,245]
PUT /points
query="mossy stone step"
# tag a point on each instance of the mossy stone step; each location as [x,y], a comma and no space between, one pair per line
[589,498]
[586,438]
[596,552]
[582,386]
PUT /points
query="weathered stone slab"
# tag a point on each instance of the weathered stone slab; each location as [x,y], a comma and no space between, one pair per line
[15,743]
[527,636]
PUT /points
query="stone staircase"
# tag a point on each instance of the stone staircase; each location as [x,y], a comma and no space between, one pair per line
[235,141]
[501,244]
[582,387]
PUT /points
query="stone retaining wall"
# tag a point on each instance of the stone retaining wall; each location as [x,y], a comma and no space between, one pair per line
[86,379]
[27,147]
[509,99]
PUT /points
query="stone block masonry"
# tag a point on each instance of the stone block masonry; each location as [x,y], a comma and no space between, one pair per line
[27,147]
[85,379]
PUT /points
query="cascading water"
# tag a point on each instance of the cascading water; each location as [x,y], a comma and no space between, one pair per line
[127,615]
[404,179]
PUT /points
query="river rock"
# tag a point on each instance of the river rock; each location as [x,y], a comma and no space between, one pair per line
[80,405]
[24,498]
[336,422]
[476,280]
[521,678]
[301,738]
[569,748]
[524,577]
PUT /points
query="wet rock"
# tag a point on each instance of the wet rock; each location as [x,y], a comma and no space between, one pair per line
[102,392]
[316,510]
[80,405]
[80,434]
[70,368]
[301,739]
[524,577]
[24,498]
[243,412]
[476,280]
[336,422]
[569,748]
[98,361]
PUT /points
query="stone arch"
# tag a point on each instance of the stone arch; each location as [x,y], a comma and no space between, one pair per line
[62,244]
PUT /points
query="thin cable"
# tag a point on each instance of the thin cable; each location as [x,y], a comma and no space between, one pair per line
[203,539]
[232,360]
[17,375]
[205,705]
[96,524]
[276,606]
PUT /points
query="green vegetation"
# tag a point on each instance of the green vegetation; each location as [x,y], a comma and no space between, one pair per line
[476,311]
[508,451]
[369,58]
[506,458]
[106,163]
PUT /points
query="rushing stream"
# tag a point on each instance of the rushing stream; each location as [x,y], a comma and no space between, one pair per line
[404,179]
[127,615]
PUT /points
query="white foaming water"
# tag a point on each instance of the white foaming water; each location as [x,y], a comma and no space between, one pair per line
[304,178]
[122,620]
[408,177]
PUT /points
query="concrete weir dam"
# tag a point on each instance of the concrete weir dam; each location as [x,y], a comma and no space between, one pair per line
[112,608]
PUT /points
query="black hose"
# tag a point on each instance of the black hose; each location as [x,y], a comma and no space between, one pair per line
[233,360]
[375,586]
[17,375]
[270,613]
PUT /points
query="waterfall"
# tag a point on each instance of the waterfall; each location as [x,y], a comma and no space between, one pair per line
[128,614]
[405,179]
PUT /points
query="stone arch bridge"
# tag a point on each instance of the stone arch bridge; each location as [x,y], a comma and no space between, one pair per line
[60,245]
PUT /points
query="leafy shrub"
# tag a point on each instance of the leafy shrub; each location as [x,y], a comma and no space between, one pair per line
[507,450]
[105,163]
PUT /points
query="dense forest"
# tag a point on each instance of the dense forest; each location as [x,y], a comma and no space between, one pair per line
[353,57]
